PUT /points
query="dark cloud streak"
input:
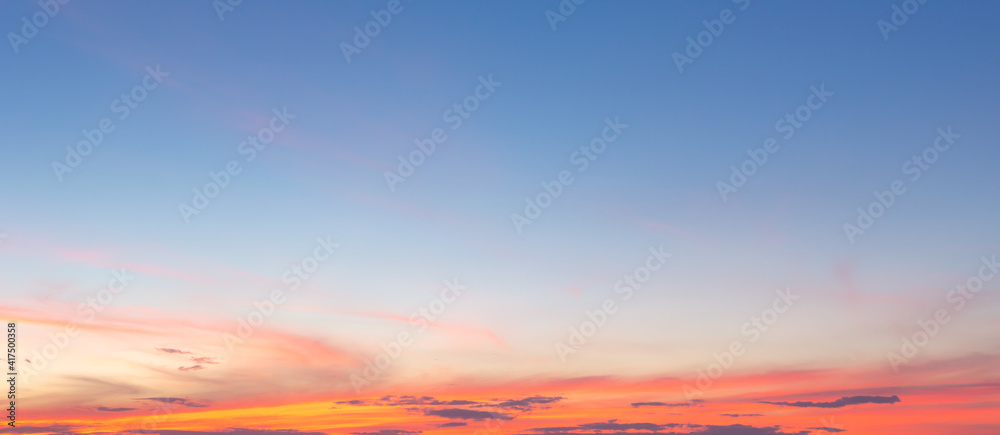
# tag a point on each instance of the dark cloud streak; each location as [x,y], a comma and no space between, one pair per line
[841,402]
[467,414]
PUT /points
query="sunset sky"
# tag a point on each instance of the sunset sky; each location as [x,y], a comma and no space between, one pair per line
[397,217]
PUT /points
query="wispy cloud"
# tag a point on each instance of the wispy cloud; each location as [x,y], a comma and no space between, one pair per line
[841,402]
[693,402]
[175,401]
[611,427]
[453,424]
[229,431]
[106,409]
[388,432]
[467,414]
[171,350]
[55,428]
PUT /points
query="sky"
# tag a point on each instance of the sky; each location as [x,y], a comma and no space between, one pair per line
[394,217]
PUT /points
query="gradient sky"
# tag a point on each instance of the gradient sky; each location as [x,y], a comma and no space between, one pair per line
[156,356]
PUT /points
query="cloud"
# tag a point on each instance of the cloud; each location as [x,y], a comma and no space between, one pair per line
[739,429]
[453,424]
[194,367]
[176,400]
[457,402]
[741,415]
[466,414]
[55,428]
[556,430]
[423,400]
[388,432]
[694,402]
[106,409]
[527,403]
[172,350]
[638,404]
[351,402]
[612,427]
[841,402]
[203,360]
[828,429]
[229,431]
[412,400]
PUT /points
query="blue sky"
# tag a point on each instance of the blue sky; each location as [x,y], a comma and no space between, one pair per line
[654,186]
